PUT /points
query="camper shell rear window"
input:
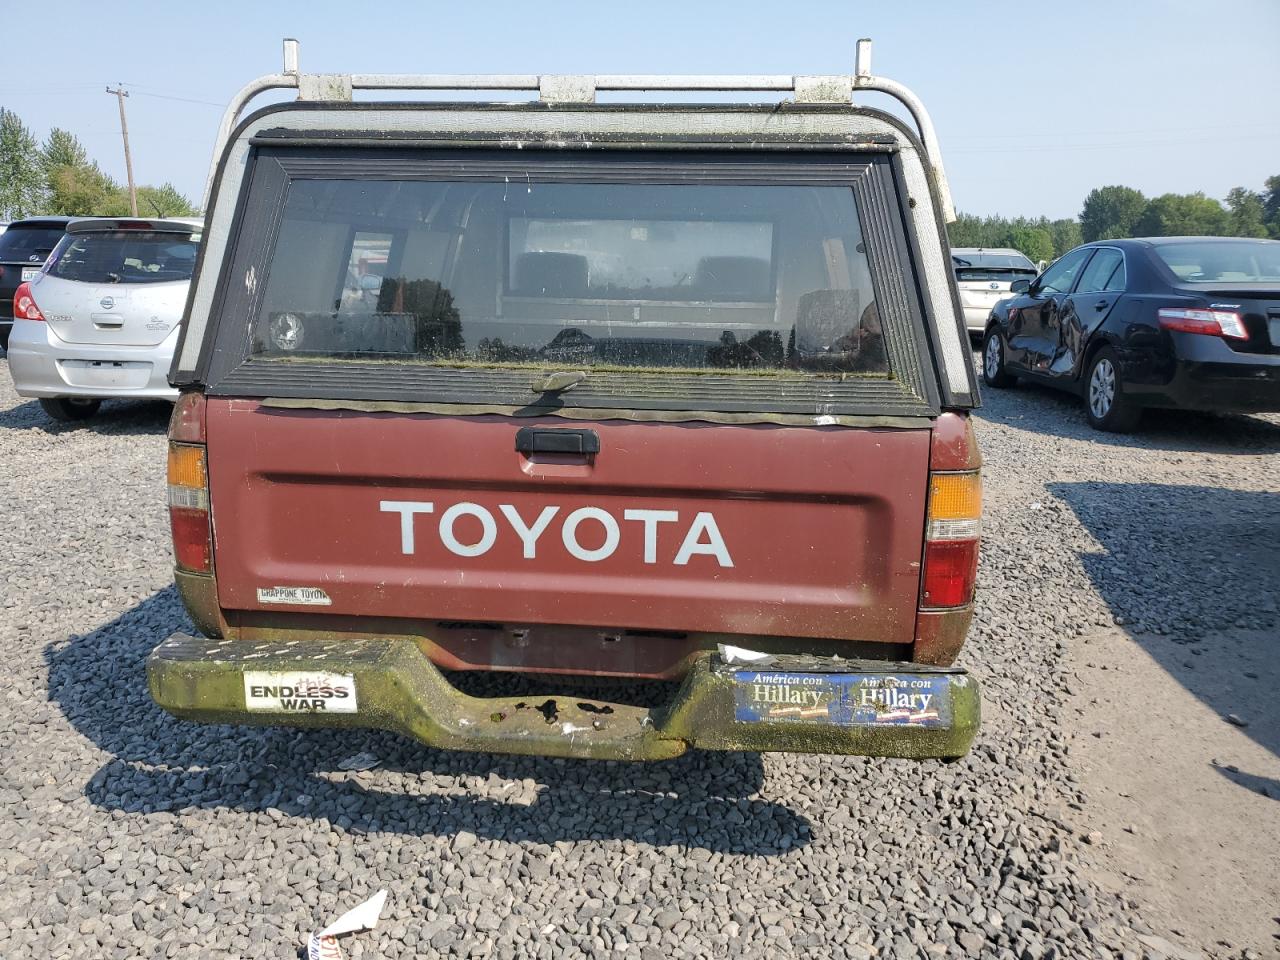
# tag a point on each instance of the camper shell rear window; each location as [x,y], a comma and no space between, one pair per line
[699,282]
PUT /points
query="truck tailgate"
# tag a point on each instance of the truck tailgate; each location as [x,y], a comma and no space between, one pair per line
[752,530]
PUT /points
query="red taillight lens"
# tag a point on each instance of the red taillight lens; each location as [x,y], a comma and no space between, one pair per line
[186,425]
[191,539]
[950,572]
[24,307]
[1213,323]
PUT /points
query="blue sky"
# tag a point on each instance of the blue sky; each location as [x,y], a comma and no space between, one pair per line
[1036,103]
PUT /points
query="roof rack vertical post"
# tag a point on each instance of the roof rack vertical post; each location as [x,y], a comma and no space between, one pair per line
[863,79]
[288,78]
[862,58]
[290,55]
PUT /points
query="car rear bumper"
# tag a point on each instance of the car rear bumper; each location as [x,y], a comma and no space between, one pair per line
[391,684]
[975,318]
[43,365]
[1209,375]
[1241,388]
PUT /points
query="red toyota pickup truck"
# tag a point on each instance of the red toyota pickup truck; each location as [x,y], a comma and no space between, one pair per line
[660,392]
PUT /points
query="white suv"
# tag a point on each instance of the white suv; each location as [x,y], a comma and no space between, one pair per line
[983,276]
[103,316]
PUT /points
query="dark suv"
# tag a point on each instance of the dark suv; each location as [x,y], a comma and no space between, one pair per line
[24,246]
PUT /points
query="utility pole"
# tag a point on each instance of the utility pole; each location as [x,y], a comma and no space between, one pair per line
[120,93]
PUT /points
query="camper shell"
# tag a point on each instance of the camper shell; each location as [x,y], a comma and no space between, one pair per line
[646,391]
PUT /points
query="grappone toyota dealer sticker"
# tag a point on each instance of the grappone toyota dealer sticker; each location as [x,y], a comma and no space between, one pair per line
[305,596]
[300,692]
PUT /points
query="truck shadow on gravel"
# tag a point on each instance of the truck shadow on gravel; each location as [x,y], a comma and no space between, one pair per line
[701,800]
[1040,409]
[114,417]
[1193,574]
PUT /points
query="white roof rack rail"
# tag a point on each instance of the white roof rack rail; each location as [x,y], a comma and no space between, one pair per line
[554,88]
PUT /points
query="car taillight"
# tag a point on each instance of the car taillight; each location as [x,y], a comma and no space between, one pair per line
[24,307]
[952,530]
[189,487]
[1213,323]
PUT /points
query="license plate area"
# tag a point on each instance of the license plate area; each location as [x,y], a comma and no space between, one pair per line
[843,699]
[121,374]
[30,273]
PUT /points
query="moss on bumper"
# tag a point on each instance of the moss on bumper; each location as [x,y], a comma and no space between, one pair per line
[398,688]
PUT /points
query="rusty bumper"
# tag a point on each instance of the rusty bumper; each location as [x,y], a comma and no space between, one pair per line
[788,703]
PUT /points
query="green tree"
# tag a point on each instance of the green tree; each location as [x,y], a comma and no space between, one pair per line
[62,149]
[164,201]
[22,180]
[1183,215]
[74,185]
[1271,205]
[81,191]
[1066,235]
[1034,242]
[1111,213]
[1245,213]
[967,231]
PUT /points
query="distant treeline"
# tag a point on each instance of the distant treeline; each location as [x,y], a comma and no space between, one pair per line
[57,177]
[1111,213]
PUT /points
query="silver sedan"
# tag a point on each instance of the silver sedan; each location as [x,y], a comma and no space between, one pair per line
[103,316]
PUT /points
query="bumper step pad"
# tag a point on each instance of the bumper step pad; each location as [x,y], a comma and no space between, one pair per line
[788,703]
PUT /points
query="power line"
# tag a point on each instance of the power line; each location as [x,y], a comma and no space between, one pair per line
[1109,133]
[165,96]
[1057,148]
[77,89]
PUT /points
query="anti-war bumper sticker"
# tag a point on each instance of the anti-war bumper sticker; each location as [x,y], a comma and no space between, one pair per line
[299,692]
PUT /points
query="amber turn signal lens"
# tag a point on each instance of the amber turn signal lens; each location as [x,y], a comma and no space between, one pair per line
[186,466]
[955,496]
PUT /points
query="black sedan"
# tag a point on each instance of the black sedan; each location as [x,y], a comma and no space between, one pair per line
[1185,322]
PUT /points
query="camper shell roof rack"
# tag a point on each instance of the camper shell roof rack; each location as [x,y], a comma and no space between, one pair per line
[582,89]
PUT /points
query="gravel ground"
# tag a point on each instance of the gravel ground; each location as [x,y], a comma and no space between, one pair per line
[129,834]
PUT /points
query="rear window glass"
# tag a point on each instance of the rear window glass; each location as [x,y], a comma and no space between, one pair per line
[125,256]
[993,260]
[690,276]
[1235,261]
[28,244]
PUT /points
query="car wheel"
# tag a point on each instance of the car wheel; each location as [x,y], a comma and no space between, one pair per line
[994,372]
[1105,403]
[68,409]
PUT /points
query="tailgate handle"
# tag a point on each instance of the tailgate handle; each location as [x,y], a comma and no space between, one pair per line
[556,440]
